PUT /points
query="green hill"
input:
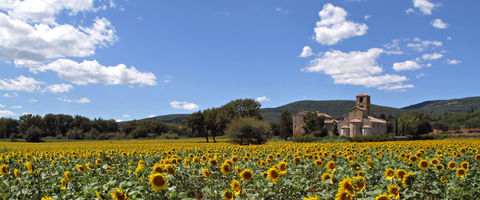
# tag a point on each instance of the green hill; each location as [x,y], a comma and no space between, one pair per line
[337,108]
[450,106]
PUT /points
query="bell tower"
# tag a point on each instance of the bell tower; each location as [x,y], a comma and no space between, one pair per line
[363,102]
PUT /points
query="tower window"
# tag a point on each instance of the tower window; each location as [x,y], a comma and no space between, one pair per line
[360,100]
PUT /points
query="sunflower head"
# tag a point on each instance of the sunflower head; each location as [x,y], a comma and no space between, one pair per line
[273,174]
[236,186]
[327,176]
[64,184]
[68,175]
[46,198]
[394,191]
[477,157]
[444,179]
[246,175]
[226,168]
[228,195]
[331,166]
[206,173]
[461,172]
[170,170]
[346,185]
[359,183]
[158,181]
[465,165]
[343,195]
[119,195]
[3,170]
[452,165]
[408,179]
[382,197]
[389,173]
[400,173]
[311,197]
[423,164]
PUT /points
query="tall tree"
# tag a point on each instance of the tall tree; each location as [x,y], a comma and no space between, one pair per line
[196,123]
[28,120]
[286,125]
[65,123]
[51,124]
[210,119]
[313,122]
[415,123]
[8,127]
[243,108]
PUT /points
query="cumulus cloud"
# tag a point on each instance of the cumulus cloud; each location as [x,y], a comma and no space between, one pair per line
[433,56]
[438,23]
[43,11]
[126,116]
[422,45]
[424,6]
[334,27]
[67,100]
[21,83]
[453,61]
[16,107]
[93,72]
[306,52]
[32,100]
[7,113]
[407,65]
[58,88]
[150,116]
[280,10]
[2,106]
[356,68]
[183,105]
[262,99]
[28,44]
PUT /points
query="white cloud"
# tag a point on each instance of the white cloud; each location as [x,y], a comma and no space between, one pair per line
[409,10]
[126,116]
[395,87]
[334,27]
[29,45]
[183,105]
[2,106]
[355,68]
[453,61]
[13,94]
[58,88]
[167,79]
[424,6]
[150,116]
[7,113]
[119,120]
[280,10]
[32,100]
[420,75]
[306,52]
[93,72]
[16,107]
[433,56]
[21,83]
[438,23]
[366,17]
[419,45]
[81,100]
[262,99]
[407,65]
[43,11]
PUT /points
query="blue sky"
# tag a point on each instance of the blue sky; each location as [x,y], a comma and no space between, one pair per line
[129,60]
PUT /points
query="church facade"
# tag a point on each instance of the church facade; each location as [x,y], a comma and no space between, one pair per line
[359,122]
[356,122]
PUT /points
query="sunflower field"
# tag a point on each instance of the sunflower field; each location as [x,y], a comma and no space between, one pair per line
[154,169]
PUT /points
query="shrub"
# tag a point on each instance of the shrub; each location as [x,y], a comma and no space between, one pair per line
[248,130]
[305,138]
[140,132]
[33,134]
[170,136]
[92,134]
[75,133]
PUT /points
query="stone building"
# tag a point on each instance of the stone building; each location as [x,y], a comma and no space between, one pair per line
[298,123]
[356,122]
[359,122]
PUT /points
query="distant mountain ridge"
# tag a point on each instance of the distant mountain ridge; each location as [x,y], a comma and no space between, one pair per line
[337,108]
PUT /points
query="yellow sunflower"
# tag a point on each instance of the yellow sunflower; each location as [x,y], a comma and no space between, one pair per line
[119,195]
[17,173]
[206,173]
[331,166]
[236,186]
[394,191]
[3,170]
[64,184]
[452,165]
[327,176]
[158,181]
[444,179]
[273,174]
[311,197]
[226,168]
[434,161]
[400,173]
[461,172]
[157,168]
[282,166]
[98,161]
[383,197]
[29,166]
[389,173]
[68,175]
[170,170]
[318,163]
[477,157]
[359,183]
[343,195]
[423,164]
[80,168]
[465,165]
[246,175]
[408,179]
[46,198]
[346,185]
[228,195]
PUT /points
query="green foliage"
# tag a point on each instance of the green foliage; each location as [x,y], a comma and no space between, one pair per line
[33,134]
[92,134]
[414,123]
[371,138]
[170,136]
[463,105]
[275,126]
[454,121]
[140,132]
[242,108]
[305,138]
[314,124]
[248,130]
[28,120]
[8,127]
[286,125]
[76,134]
